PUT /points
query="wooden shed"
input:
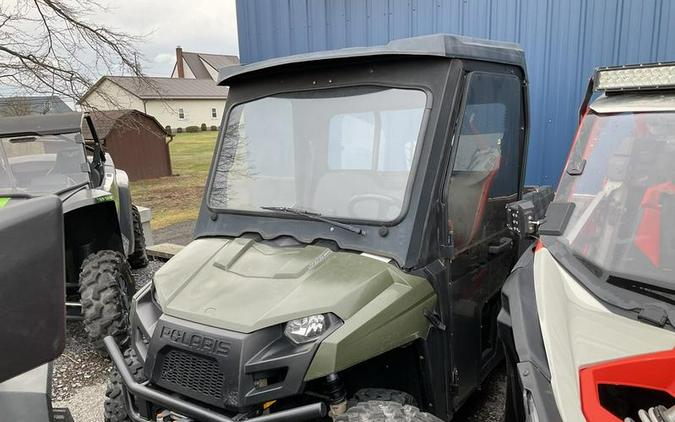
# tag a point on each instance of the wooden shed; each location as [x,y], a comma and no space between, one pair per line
[136,142]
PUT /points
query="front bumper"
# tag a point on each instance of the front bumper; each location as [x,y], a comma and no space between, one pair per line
[217,367]
[201,413]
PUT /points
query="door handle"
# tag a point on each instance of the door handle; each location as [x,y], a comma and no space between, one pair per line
[505,243]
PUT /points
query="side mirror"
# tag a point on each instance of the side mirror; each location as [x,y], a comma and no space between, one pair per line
[32,284]
[524,217]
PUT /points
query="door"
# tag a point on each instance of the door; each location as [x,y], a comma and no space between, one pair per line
[32,284]
[484,177]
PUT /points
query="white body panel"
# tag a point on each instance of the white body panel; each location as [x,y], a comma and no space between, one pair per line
[578,330]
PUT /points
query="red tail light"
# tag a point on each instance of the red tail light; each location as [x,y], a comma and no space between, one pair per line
[612,391]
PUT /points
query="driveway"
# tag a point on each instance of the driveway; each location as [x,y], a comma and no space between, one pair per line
[180,234]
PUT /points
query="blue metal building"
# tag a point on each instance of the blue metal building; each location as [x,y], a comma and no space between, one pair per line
[564,41]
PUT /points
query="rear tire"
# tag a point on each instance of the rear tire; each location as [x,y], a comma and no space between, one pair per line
[106,288]
[115,405]
[138,258]
[385,411]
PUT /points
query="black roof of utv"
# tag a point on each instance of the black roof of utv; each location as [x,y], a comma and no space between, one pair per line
[42,124]
[438,45]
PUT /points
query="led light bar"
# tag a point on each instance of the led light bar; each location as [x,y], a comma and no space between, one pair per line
[635,78]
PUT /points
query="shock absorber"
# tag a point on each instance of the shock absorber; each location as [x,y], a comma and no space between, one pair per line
[656,414]
[337,395]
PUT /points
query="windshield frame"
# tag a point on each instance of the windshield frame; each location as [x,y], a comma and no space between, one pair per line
[407,242]
[412,174]
[624,301]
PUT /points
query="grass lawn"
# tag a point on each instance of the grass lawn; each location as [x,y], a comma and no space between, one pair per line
[177,198]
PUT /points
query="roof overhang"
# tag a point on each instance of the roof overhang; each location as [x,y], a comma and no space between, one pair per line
[450,46]
[44,124]
[634,103]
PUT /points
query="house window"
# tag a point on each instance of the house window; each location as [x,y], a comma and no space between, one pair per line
[214,114]
[181,114]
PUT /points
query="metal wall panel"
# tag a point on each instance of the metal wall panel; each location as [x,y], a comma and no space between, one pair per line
[564,41]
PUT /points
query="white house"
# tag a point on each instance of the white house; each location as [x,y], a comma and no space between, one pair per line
[190,97]
[174,102]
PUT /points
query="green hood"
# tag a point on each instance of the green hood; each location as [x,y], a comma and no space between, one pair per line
[242,285]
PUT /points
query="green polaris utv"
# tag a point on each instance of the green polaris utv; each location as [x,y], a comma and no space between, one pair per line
[43,155]
[351,244]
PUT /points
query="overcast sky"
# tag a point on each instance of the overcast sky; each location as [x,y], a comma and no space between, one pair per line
[204,26]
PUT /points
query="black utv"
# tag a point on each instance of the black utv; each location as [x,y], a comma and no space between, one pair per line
[47,155]
[351,245]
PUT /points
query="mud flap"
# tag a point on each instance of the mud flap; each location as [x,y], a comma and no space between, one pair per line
[32,284]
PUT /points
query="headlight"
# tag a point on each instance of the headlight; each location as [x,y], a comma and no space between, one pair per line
[304,330]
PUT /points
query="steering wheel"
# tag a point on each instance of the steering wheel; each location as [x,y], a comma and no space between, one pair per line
[385,202]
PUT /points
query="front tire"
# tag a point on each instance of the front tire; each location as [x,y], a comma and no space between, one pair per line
[106,288]
[385,411]
[384,394]
[138,258]
[115,405]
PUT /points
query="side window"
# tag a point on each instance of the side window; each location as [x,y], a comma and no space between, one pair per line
[486,169]
[181,113]
[214,114]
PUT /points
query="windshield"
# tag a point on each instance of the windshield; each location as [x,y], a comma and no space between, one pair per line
[625,195]
[344,152]
[41,164]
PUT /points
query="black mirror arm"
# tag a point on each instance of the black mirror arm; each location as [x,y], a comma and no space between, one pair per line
[99,155]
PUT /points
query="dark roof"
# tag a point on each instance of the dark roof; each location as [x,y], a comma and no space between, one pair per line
[195,62]
[105,121]
[13,106]
[218,61]
[155,88]
[44,124]
[439,45]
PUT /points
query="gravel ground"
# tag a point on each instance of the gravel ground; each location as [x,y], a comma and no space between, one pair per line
[81,372]
[180,234]
[486,405]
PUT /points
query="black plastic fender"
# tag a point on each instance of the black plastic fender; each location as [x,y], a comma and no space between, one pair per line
[518,321]
[124,211]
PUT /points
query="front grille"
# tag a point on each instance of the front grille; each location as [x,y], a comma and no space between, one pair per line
[193,374]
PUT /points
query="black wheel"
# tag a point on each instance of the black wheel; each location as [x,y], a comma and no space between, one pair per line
[384,411]
[106,287]
[138,258]
[383,394]
[115,406]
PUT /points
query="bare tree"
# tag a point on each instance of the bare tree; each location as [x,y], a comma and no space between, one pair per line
[52,47]
[15,106]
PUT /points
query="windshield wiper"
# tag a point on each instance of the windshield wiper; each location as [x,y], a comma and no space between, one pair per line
[15,194]
[316,216]
[69,188]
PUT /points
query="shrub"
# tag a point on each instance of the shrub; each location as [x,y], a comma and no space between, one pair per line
[167,128]
[179,130]
[192,129]
[203,126]
[214,127]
